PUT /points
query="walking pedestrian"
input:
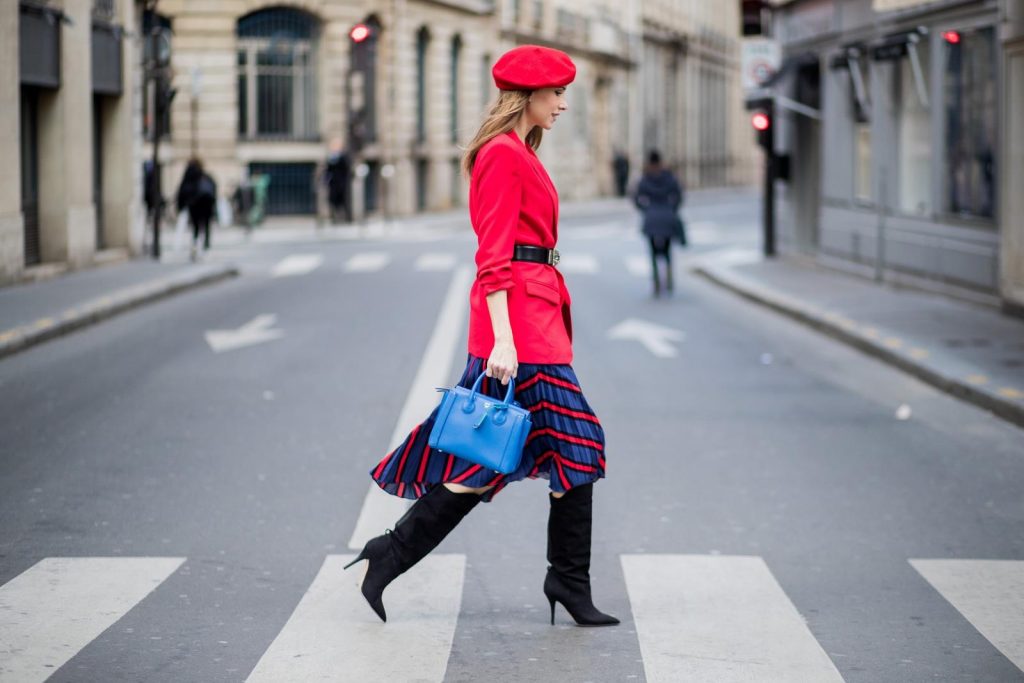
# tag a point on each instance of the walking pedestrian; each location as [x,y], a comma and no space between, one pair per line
[620,169]
[659,196]
[197,194]
[338,177]
[519,328]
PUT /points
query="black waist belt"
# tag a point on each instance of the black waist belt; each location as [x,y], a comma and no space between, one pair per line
[528,252]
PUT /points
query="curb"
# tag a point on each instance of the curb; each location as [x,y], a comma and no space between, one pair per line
[846,331]
[91,312]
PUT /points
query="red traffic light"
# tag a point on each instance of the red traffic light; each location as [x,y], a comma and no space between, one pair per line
[359,33]
[760,121]
[951,37]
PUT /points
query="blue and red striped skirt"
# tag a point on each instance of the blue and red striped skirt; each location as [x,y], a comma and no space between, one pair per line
[565,445]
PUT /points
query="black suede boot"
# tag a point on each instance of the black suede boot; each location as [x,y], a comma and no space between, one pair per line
[568,579]
[418,532]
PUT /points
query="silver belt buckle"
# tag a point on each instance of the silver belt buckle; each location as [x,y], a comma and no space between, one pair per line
[553,257]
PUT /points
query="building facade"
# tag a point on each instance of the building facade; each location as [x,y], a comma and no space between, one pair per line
[908,175]
[69,115]
[278,81]
[263,88]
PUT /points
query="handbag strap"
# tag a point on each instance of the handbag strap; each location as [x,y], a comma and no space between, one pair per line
[508,394]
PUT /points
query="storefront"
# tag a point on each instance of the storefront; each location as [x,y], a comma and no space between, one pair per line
[907,141]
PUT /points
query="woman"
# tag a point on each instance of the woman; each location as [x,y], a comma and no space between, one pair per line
[198,194]
[659,197]
[519,328]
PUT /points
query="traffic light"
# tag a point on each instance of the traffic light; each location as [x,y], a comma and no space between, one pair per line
[762,123]
[359,33]
[752,12]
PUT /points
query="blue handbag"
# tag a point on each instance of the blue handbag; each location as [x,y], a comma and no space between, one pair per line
[481,429]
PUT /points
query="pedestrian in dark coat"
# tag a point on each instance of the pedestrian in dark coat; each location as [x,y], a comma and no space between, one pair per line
[620,168]
[659,197]
[338,178]
[197,194]
[519,327]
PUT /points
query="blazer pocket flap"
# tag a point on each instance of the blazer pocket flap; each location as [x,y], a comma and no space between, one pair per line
[543,291]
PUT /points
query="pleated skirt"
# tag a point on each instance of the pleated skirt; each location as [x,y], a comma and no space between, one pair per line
[565,444]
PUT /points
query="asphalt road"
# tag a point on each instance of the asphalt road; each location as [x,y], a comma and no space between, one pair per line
[753,453]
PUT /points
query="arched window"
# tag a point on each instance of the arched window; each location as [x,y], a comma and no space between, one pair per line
[277,74]
[422,42]
[455,66]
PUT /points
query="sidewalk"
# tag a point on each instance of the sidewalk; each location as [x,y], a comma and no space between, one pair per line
[971,352]
[31,313]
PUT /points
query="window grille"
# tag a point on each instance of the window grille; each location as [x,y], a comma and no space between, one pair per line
[456,55]
[277,80]
[422,42]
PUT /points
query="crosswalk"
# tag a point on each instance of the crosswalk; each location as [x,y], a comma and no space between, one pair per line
[368,262]
[697,617]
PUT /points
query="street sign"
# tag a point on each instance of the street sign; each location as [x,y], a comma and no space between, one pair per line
[760,60]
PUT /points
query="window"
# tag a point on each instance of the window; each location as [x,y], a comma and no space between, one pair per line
[486,82]
[860,82]
[970,97]
[277,75]
[422,42]
[456,54]
[914,138]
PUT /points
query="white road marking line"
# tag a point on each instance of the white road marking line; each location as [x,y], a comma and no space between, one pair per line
[297,264]
[719,618]
[368,262]
[380,509]
[639,266]
[578,263]
[54,609]
[434,262]
[334,635]
[990,595]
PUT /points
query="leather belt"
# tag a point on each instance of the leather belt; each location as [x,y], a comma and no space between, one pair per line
[528,252]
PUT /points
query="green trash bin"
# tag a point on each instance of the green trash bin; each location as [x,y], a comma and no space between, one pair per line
[260,189]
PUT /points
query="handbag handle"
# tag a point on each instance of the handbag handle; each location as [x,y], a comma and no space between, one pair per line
[470,405]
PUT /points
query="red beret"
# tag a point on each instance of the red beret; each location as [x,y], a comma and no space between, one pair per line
[531,67]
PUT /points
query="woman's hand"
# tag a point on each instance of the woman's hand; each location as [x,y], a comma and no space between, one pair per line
[502,363]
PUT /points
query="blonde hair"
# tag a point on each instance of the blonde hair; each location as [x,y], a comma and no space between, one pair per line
[502,118]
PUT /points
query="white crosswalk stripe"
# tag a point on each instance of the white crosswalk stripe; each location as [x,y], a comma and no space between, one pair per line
[990,595]
[435,262]
[334,635]
[579,263]
[368,262]
[54,609]
[698,617]
[297,264]
[639,266]
[719,618]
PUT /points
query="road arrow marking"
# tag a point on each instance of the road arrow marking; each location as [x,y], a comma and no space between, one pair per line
[297,264]
[256,331]
[656,338]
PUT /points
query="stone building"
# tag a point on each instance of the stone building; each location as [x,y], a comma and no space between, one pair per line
[68,196]
[261,87]
[277,82]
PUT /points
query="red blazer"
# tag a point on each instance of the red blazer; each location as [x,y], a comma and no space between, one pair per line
[513,201]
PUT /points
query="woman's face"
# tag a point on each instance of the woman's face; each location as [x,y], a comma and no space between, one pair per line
[545,106]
